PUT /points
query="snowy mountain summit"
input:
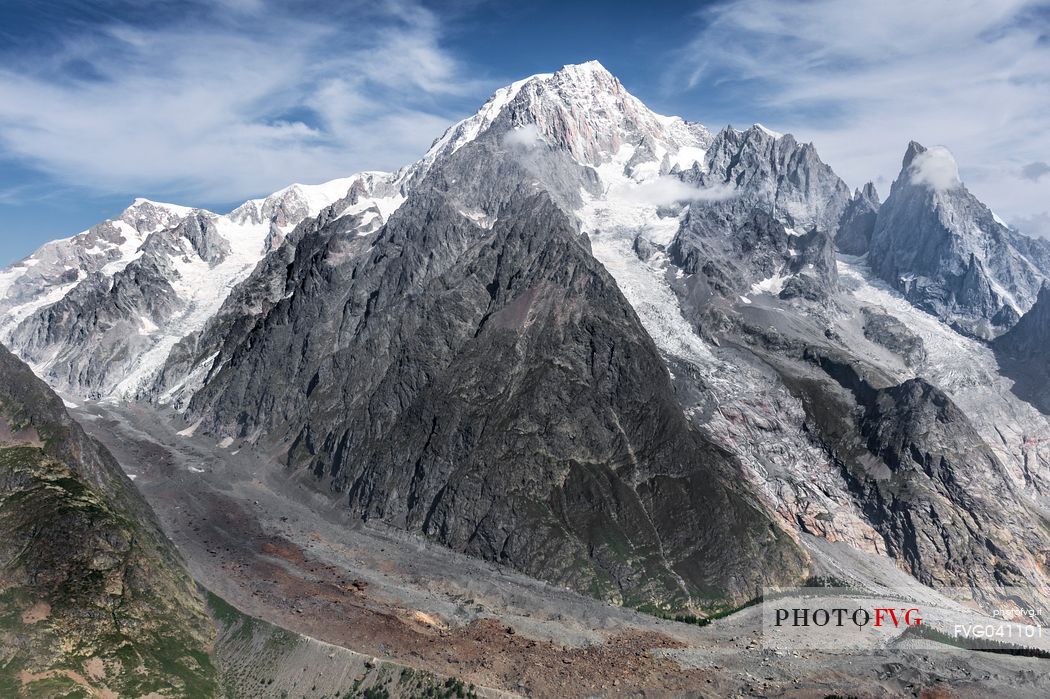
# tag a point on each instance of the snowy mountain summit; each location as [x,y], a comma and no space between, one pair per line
[701,363]
[142,282]
[582,109]
[96,314]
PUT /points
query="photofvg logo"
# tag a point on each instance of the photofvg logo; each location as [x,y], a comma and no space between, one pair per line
[841,616]
[834,619]
[838,618]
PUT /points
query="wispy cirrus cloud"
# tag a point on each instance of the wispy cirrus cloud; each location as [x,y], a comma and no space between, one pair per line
[664,191]
[219,101]
[861,79]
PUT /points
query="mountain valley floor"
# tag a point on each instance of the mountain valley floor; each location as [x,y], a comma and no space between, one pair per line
[277,548]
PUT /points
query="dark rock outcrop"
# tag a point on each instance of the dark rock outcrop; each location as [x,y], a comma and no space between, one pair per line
[732,246]
[926,481]
[1024,353]
[858,222]
[891,333]
[492,388]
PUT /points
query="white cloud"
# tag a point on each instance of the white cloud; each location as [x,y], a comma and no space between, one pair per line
[862,79]
[526,136]
[935,168]
[667,190]
[234,107]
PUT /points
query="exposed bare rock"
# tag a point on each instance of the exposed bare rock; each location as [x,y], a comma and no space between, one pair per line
[886,330]
[945,250]
[447,348]
[1024,353]
[858,222]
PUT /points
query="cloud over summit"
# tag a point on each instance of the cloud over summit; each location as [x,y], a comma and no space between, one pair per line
[936,168]
[862,79]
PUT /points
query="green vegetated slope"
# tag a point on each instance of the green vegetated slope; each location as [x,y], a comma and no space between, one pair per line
[94,601]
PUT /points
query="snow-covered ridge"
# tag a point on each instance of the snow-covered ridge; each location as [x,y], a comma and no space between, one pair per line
[55,268]
[141,204]
[465,131]
[768,131]
[296,202]
[158,238]
[584,109]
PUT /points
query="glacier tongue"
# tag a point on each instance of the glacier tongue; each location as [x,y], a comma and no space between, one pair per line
[745,409]
[201,287]
[613,222]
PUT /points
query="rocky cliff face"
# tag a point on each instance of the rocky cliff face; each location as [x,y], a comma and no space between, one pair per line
[939,496]
[1030,337]
[1024,353]
[481,379]
[94,599]
[858,222]
[945,251]
[847,446]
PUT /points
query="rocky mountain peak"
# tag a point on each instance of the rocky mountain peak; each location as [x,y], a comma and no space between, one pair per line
[582,109]
[858,221]
[869,193]
[198,230]
[1031,335]
[1022,355]
[147,216]
[777,172]
[588,111]
[945,250]
[935,168]
[914,149]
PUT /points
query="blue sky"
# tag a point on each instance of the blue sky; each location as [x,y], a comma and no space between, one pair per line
[211,103]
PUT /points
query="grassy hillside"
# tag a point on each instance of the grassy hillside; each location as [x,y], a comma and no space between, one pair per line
[94,601]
